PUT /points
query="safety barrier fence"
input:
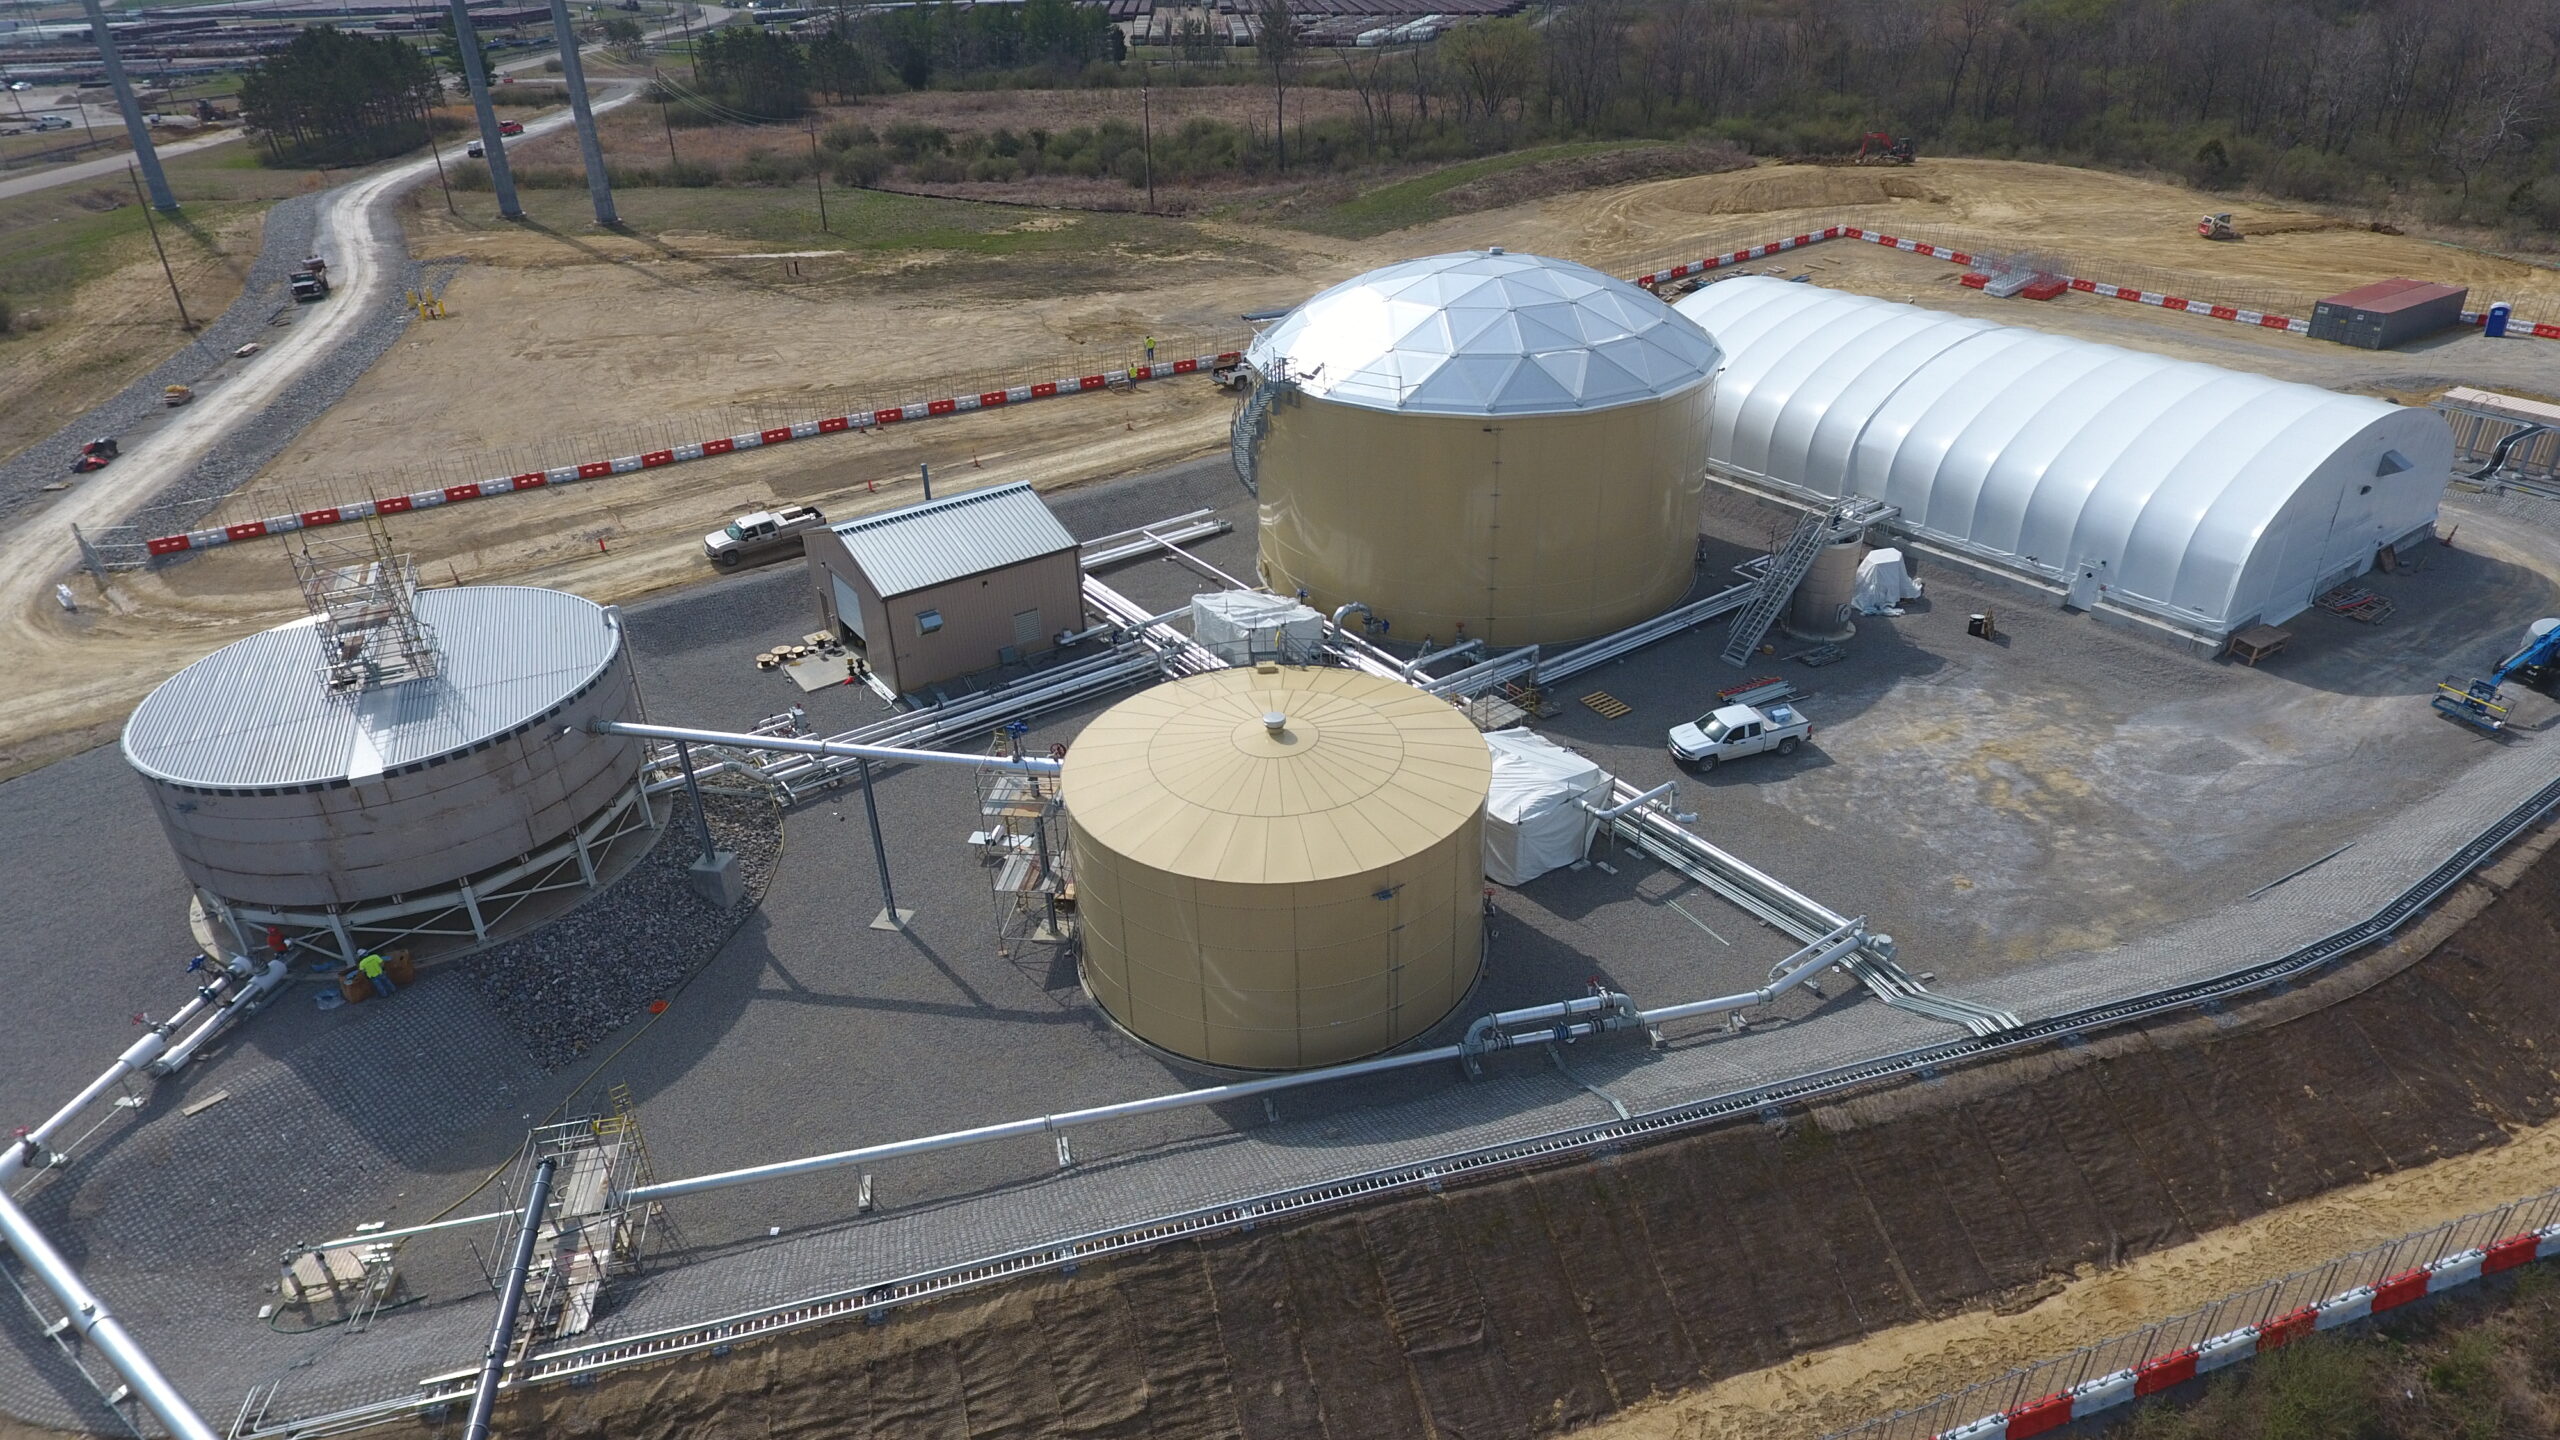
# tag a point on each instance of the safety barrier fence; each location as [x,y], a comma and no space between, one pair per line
[654,450]
[1959,254]
[671,451]
[1067,1251]
[2049,1394]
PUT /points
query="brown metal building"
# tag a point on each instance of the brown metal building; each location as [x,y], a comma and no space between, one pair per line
[2387,313]
[949,587]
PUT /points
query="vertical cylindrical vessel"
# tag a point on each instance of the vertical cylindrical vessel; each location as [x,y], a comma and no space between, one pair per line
[1279,868]
[1824,600]
[1482,445]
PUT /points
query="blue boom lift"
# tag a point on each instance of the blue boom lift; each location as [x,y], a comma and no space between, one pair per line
[2479,704]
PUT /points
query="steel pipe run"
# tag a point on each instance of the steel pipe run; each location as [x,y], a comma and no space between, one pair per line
[233,1006]
[137,1059]
[502,1336]
[802,746]
[1830,950]
[89,1314]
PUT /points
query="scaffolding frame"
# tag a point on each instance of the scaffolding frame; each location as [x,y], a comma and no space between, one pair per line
[587,1234]
[1024,840]
[364,595]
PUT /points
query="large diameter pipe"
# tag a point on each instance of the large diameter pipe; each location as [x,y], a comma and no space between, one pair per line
[802,746]
[502,1336]
[136,1058]
[233,1006]
[98,1326]
[1068,1119]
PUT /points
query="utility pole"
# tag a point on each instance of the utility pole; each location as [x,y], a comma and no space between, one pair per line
[435,147]
[817,167]
[661,87]
[1147,127]
[185,321]
[573,70]
[143,153]
[493,145]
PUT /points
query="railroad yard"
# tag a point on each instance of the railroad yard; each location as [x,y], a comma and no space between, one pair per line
[2112,914]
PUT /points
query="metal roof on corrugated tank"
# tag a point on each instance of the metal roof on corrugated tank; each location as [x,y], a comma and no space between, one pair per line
[1188,779]
[255,714]
[1486,332]
[957,536]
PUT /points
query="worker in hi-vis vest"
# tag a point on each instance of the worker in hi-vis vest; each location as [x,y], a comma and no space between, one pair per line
[372,969]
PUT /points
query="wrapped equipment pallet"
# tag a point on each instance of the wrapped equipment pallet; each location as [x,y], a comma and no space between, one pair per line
[1534,820]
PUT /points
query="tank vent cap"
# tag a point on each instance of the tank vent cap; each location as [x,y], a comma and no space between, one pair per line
[1274,721]
[1493,250]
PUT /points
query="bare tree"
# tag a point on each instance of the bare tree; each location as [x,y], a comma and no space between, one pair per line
[1275,43]
[1494,61]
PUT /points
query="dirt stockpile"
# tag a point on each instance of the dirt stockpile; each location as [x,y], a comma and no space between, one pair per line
[1550,1300]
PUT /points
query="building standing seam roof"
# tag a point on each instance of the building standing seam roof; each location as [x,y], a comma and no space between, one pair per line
[939,541]
[2052,453]
[1486,333]
[1185,778]
[2387,296]
[254,715]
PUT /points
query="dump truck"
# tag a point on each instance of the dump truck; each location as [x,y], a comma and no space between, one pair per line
[308,285]
[764,534]
[1730,732]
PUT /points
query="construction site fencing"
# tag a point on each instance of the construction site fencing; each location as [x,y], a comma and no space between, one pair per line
[129,545]
[2422,1263]
[1993,253]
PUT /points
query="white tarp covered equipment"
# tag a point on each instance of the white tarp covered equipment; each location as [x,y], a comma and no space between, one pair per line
[1237,625]
[1533,819]
[1884,582]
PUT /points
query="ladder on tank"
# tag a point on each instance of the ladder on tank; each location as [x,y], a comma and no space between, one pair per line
[1792,562]
[1253,417]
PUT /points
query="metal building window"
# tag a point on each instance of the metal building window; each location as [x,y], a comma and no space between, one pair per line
[928,621]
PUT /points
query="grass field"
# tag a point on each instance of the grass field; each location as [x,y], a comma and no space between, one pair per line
[1423,198]
[859,221]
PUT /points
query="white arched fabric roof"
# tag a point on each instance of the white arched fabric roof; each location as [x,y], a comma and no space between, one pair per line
[2206,496]
[1486,332]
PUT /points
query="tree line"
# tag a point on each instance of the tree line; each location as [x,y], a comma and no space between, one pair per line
[334,98]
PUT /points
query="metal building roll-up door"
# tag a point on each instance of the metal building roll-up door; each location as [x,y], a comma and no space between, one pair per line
[849,608]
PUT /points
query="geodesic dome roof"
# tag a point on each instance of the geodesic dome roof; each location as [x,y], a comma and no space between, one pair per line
[1484,332]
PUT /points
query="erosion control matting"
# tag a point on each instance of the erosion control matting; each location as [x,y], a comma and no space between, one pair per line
[1538,1302]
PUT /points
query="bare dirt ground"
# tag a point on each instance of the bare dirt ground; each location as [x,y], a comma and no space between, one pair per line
[565,344]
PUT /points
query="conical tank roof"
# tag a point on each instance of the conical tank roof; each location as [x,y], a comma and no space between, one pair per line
[1487,332]
[1277,776]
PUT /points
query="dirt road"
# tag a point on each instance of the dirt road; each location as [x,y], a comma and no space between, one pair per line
[92,169]
[364,245]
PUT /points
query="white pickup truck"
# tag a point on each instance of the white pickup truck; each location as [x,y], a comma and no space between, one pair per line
[1737,730]
[766,532]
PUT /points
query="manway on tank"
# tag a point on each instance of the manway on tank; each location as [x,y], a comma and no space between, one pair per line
[1481,445]
[1279,867]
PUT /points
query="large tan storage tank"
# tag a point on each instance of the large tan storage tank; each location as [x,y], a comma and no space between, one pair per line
[1481,445]
[1277,867]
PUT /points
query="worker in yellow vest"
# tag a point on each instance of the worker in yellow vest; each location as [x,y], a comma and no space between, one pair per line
[371,968]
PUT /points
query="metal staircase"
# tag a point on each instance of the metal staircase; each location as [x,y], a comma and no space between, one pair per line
[1778,583]
[1253,418]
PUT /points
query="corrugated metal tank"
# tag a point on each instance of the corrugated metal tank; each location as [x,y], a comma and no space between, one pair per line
[274,792]
[1496,446]
[1279,868]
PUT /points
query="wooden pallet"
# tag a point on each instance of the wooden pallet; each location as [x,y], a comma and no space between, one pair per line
[1606,705]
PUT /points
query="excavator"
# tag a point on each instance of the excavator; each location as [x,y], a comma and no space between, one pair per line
[2479,703]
